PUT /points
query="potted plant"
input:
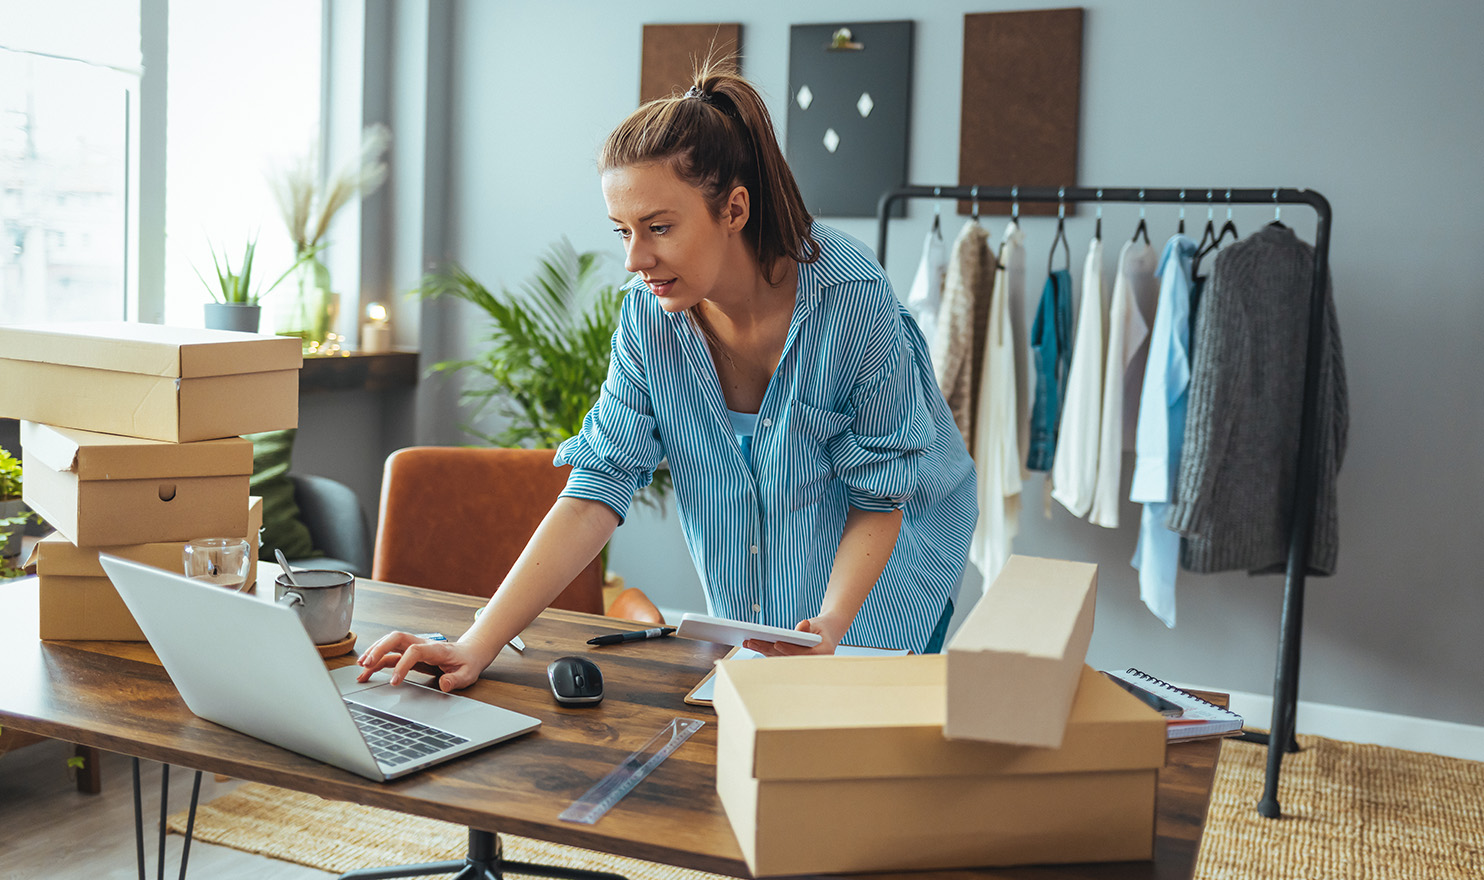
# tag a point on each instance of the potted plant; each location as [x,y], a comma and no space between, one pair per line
[308,204]
[547,354]
[13,514]
[235,302]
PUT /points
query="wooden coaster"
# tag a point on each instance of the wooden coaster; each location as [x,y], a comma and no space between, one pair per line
[336,649]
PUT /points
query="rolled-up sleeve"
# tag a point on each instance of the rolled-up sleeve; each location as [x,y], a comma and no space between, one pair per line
[878,453]
[618,448]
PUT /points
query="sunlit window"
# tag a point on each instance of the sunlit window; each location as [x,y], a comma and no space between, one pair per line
[64,182]
[244,94]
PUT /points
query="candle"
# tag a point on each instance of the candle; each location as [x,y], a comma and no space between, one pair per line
[376,333]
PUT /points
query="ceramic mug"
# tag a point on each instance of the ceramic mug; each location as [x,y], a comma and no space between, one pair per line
[323,599]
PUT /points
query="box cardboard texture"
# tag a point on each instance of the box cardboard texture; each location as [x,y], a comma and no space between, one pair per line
[102,490]
[839,764]
[145,380]
[78,601]
[1022,646]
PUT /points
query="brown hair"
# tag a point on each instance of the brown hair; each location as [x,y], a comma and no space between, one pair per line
[718,136]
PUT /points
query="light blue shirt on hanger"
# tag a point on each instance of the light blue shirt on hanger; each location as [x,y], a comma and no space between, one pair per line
[1161,430]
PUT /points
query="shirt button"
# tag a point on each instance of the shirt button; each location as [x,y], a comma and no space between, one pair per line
[756,608]
[754,548]
[767,423]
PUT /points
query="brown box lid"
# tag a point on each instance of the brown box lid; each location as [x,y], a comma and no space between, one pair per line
[94,456]
[873,717]
[150,349]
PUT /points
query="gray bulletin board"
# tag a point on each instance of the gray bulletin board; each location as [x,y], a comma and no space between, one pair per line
[848,114]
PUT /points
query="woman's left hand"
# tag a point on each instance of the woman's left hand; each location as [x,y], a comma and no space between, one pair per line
[830,634]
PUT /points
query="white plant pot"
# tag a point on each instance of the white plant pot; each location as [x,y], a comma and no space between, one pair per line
[233,316]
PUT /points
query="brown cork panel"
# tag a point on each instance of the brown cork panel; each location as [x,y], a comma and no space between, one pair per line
[1021,100]
[672,52]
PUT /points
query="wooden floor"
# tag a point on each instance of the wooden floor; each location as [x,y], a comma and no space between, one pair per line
[49,830]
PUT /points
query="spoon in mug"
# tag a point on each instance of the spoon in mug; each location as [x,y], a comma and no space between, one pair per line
[284,564]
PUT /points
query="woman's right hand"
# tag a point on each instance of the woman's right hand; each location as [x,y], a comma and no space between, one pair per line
[457,664]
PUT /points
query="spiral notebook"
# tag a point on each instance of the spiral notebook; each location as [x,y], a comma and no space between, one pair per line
[1198,719]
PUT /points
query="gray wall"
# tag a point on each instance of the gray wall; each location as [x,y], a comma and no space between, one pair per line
[1377,105]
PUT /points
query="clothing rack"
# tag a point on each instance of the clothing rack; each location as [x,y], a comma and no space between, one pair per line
[1285,684]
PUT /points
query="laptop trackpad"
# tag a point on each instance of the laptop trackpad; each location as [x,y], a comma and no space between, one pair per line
[345,679]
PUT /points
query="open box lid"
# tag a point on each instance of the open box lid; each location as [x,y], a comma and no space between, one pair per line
[151,349]
[94,456]
[875,717]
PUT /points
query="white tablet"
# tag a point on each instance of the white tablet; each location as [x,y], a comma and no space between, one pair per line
[735,632]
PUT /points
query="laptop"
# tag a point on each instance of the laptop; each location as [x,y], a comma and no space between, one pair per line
[248,664]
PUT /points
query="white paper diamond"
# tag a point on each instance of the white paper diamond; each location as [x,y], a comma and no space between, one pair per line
[831,140]
[805,98]
[865,104]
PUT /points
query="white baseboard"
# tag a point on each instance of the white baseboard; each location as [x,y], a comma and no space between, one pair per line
[1366,726]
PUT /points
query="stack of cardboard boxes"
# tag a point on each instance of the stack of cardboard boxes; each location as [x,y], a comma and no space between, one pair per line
[130,438]
[1005,750]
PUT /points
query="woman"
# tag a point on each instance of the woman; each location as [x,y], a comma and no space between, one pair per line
[820,479]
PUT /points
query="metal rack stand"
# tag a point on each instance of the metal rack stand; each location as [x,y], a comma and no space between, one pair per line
[1285,685]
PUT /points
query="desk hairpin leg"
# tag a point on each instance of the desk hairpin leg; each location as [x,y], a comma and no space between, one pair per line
[482,863]
[185,852]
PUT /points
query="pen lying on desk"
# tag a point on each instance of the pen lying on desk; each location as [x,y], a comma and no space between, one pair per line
[637,635]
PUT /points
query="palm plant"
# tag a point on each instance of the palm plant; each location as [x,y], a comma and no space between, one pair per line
[549,345]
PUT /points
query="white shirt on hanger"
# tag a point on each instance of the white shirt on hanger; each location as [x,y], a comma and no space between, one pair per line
[1135,291]
[996,437]
[927,285]
[1074,471]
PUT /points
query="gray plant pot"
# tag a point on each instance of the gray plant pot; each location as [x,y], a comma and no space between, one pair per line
[233,316]
[10,542]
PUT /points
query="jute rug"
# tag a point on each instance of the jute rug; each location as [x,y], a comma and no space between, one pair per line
[1351,812]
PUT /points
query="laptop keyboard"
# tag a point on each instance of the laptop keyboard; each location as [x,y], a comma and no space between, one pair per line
[394,740]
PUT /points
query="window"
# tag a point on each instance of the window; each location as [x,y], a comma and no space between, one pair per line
[242,91]
[65,137]
[244,95]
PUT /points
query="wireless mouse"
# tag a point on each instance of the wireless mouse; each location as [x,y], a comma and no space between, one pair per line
[575,681]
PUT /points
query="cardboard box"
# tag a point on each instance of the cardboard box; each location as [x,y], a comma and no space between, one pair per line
[103,490]
[839,764]
[146,380]
[79,602]
[1022,645]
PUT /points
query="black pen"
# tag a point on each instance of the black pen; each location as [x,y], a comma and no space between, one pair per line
[616,638]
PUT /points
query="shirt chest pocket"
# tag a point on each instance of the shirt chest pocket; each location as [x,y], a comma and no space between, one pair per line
[810,466]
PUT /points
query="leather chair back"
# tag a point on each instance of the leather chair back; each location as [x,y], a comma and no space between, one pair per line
[457,518]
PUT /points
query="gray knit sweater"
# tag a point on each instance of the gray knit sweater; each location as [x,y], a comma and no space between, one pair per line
[1238,465]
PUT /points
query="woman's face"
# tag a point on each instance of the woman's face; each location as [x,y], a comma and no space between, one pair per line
[671,237]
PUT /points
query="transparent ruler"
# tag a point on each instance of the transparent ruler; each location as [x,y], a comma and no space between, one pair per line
[630,772]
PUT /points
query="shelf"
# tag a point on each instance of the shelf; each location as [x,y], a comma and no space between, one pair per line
[359,371]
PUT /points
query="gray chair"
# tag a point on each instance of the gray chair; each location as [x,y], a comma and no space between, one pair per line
[337,523]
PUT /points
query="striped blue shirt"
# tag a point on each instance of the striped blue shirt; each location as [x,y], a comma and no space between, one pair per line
[852,417]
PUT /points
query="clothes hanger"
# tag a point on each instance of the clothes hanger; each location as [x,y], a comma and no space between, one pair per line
[1061,232]
[1143,227]
[974,201]
[937,212]
[1181,229]
[1277,211]
[1015,205]
[1208,235]
[1097,230]
[1216,237]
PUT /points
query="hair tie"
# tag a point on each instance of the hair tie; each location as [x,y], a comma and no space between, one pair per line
[696,92]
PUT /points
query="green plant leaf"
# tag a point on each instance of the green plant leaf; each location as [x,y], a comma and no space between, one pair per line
[546,347]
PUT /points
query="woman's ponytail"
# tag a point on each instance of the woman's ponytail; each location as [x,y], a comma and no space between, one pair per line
[717,136]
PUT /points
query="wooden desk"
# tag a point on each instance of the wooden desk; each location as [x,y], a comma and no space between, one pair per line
[115,696]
